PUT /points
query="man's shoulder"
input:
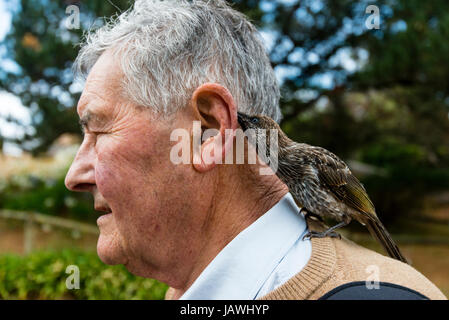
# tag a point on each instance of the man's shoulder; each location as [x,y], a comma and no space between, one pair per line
[338,262]
[355,263]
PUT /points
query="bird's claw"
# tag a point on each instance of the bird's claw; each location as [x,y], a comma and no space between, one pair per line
[308,214]
[315,234]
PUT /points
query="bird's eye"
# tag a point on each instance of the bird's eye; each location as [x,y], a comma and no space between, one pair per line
[255,120]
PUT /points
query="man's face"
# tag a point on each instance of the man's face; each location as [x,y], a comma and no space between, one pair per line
[124,161]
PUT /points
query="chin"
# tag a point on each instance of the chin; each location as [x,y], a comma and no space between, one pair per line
[136,270]
[109,251]
[143,270]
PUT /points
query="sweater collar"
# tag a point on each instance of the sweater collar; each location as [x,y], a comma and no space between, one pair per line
[244,264]
[318,270]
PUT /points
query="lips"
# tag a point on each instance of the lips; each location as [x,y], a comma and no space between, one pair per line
[103,209]
[102,220]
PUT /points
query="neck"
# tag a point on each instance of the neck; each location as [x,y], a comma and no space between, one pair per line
[234,207]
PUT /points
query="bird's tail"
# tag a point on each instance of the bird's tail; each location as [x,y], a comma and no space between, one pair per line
[379,232]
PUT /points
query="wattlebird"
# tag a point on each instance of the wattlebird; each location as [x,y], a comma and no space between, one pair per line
[321,184]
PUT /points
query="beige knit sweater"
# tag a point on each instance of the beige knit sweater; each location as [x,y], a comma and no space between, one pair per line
[335,262]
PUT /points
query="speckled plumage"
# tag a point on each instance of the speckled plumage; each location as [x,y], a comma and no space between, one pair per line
[322,183]
[318,181]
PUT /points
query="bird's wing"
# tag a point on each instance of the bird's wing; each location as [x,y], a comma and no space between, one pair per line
[335,174]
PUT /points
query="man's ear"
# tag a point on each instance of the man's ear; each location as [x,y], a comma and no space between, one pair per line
[214,106]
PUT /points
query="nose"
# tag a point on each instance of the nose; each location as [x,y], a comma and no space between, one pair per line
[81,174]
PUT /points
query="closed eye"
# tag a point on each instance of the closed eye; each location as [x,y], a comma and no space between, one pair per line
[92,133]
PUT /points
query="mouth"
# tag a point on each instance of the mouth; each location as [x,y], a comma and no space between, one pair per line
[106,214]
[103,218]
[103,209]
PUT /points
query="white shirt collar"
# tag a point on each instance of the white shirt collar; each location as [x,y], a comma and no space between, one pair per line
[241,268]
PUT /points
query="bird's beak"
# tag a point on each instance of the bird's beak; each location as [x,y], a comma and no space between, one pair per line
[243,120]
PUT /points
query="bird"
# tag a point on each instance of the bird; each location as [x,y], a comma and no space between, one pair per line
[321,184]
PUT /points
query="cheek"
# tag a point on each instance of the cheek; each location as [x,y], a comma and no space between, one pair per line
[120,171]
[132,168]
[139,182]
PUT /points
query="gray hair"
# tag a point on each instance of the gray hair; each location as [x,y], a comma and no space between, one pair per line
[167,49]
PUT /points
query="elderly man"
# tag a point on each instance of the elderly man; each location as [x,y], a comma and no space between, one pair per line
[208,230]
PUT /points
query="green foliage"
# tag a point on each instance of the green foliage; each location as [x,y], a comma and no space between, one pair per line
[50,196]
[409,177]
[42,275]
[393,153]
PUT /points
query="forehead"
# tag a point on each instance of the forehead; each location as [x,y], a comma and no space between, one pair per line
[102,86]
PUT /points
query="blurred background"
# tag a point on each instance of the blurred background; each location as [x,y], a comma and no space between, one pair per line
[370,84]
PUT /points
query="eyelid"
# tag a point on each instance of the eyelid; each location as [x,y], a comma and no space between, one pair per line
[86,131]
[98,133]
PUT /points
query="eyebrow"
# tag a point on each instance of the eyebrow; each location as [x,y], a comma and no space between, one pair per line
[87,118]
